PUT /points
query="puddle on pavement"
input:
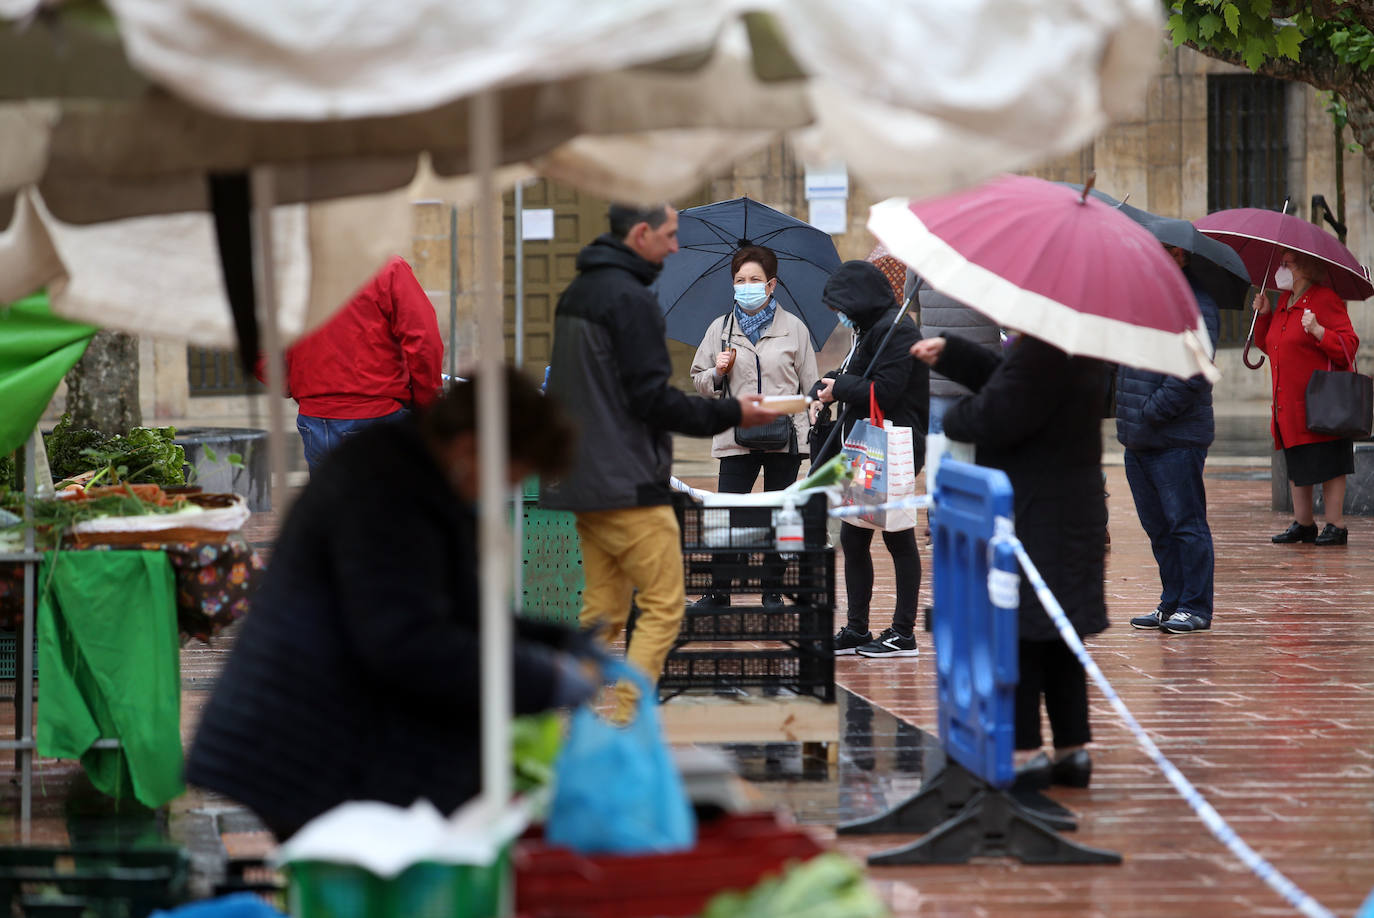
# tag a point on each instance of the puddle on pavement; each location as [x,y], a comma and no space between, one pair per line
[880,763]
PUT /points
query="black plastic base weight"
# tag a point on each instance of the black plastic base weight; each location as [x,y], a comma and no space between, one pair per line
[943,797]
[963,817]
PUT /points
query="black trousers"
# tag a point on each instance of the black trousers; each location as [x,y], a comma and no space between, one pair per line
[737,476]
[738,473]
[1049,669]
[857,543]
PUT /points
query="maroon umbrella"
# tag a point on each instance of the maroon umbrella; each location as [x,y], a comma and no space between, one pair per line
[1057,264]
[1259,235]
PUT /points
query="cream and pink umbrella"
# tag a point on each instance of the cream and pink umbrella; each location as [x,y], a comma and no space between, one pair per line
[1056,264]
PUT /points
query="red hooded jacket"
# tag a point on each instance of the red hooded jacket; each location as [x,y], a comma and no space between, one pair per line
[380,352]
[1294,355]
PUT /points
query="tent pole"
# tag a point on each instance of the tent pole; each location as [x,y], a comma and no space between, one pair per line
[264,197]
[494,531]
[453,290]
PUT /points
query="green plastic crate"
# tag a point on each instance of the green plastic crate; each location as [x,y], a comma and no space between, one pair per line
[425,890]
[9,662]
[552,573]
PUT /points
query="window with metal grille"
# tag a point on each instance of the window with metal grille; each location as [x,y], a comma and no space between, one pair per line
[1247,156]
[214,372]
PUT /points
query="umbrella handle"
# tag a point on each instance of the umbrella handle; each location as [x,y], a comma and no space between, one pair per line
[1250,340]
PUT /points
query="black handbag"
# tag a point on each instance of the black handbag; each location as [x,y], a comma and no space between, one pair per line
[776,434]
[819,433]
[1340,404]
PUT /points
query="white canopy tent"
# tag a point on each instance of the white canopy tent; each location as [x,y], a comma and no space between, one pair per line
[629,99]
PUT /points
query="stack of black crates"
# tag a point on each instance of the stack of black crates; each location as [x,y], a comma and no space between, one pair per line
[732,551]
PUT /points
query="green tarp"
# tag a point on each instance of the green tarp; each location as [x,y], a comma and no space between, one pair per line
[109,658]
[36,351]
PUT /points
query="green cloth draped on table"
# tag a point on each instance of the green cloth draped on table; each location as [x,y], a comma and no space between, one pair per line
[108,655]
[36,351]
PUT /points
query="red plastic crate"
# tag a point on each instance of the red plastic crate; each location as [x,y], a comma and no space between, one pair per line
[733,851]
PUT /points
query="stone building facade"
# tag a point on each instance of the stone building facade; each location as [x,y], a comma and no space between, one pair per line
[1210,133]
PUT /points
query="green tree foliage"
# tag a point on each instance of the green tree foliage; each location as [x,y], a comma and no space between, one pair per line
[1328,44]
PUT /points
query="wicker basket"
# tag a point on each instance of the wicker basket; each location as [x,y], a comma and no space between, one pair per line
[221,515]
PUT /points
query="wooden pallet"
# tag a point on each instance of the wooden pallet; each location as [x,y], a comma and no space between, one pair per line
[750,719]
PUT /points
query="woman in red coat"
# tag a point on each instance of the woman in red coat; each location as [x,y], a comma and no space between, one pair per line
[1309,330]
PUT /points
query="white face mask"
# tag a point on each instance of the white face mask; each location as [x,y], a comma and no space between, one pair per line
[1283,278]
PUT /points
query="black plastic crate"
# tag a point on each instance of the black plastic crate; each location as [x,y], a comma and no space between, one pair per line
[755,623]
[732,551]
[807,668]
[735,528]
[93,882]
[806,577]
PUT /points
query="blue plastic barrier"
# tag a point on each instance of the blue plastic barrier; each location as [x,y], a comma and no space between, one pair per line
[965,809]
[975,640]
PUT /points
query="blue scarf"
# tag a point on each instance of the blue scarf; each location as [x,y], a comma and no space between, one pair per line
[754,326]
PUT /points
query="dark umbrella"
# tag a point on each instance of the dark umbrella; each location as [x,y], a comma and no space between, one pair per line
[696,286]
[1216,266]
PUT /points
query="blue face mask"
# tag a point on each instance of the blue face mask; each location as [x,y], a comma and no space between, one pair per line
[845,320]
[751,296]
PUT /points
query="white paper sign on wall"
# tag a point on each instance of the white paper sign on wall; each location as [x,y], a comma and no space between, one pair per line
[536,224]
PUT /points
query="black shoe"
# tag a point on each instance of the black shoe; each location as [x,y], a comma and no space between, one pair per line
[772,601]
[1152,621]
[711,602]
[847,641]
[890,644]
[1034,775]
[1073,770]
[1185,622]
[1332,535]
[1296,533]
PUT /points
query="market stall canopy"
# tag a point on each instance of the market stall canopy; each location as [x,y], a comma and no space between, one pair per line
[631,99]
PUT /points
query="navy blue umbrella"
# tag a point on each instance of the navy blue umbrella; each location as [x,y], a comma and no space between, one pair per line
[1215,265]
[696,285]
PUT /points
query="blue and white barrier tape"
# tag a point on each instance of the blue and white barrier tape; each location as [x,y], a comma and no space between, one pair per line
[1209,816]
[918,502]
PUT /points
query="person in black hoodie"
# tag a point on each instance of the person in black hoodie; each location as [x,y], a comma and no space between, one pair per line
[357,673]
[1036,414]
[864,299]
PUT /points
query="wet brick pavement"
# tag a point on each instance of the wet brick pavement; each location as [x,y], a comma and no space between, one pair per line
[1271,715]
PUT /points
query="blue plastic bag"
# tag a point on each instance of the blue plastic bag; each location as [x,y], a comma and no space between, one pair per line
[617,789]
[239,905]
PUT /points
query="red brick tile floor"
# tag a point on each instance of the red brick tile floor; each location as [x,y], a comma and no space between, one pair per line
[1271,715]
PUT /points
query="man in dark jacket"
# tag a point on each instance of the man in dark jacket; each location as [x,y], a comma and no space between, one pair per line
[1166,425]
[865,301]
[611,368]
[357,673]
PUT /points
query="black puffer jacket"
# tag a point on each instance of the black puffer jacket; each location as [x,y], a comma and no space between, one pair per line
[1155,411]
[611,370]
[902,384]
[356,675]
[1036,415]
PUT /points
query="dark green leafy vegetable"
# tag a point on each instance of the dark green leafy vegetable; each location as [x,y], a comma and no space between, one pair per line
[148,455]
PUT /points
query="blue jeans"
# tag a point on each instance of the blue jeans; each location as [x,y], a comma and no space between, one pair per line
[321,435]
[1172,505]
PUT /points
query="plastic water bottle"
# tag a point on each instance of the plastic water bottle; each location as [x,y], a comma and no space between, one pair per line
[791,536]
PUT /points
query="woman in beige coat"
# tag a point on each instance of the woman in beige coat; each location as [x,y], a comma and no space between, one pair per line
[755,348]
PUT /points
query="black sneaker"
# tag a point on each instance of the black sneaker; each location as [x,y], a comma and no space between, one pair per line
[1333,535]
[1183,622]
[711,602]
[847,641]
[890,644]
[1151,621]
[1296,533]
